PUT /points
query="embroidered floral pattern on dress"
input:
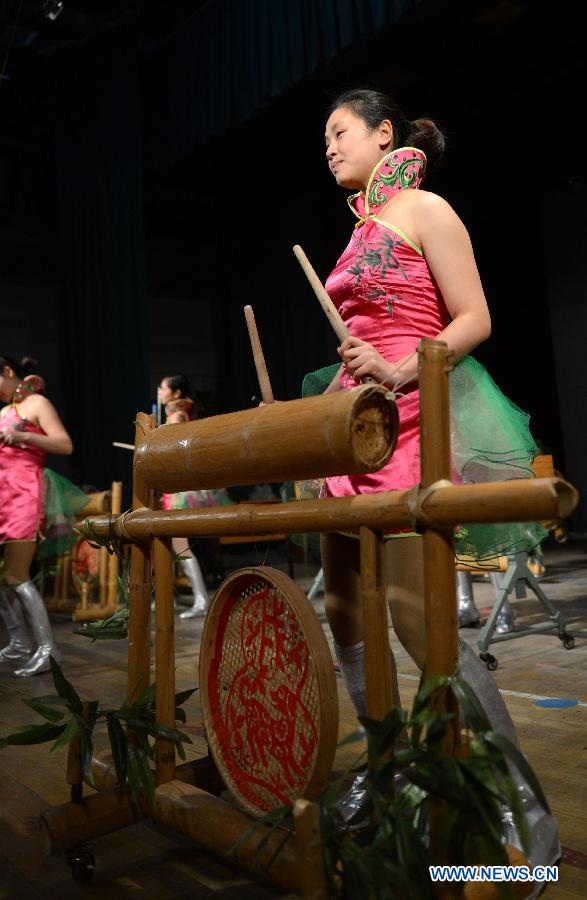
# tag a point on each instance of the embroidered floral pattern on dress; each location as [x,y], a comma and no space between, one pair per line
[380,257]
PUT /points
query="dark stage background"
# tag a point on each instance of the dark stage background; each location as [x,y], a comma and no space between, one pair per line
[158,161]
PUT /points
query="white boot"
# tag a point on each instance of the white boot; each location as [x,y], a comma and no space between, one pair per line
[199,607]
[467,612]
[41,628]
[19,646]
[507,615]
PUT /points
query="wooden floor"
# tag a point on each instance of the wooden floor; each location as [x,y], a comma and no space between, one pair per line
[144,861]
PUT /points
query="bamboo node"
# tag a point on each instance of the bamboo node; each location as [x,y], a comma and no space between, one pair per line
[417,497]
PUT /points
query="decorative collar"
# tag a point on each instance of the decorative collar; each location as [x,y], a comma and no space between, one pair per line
[182,404]
[32,384]
[399,170]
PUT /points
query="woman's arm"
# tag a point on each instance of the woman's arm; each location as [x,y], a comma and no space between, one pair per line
[41,411]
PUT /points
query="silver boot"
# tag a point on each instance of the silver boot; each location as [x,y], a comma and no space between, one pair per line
[467,612]
[199,607]
[507,616]
[544,842]
[19,646]
[41,628]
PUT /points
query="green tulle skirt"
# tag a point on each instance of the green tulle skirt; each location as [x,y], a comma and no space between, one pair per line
[490,441]
[63,501]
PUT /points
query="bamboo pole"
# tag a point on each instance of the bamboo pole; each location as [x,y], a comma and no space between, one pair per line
[309,846]
[58,579]
[66,826]
[375,628]
[164,658]
[103,576]
[113,563]
[347,431]
[509,501]
[258,356]
[65,577]
[139,583]
[435,362]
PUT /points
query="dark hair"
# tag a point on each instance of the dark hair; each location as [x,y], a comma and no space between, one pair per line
[374,106]
[25,367]
[179,383]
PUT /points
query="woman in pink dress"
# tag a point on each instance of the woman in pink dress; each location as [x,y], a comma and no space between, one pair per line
[30,428]
[408,272]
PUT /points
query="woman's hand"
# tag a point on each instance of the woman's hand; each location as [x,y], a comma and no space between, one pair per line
[362,360]
[14,438]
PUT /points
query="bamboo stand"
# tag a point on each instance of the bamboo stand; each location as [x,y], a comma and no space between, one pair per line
[349,431]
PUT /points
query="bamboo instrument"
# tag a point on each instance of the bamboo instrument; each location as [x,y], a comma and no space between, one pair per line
[123,445]
[347,431]
[378,682]
[258,357]
[510,501]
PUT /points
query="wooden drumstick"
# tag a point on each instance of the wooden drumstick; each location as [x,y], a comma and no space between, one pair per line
[262,374]
[326,303]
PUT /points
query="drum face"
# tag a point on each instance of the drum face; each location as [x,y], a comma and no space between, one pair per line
[268,690]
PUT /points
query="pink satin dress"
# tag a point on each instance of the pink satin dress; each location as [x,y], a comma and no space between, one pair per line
[387,295]
[21,482]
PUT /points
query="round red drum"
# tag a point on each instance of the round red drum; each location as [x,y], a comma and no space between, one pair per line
[268,690]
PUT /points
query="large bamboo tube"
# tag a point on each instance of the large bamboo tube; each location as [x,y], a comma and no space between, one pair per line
[346,431]
[435,362]
[139,584]
[116,509]
[217,826]
[67,826]
[164,658]
[375,631]
[507,501]
[65,577]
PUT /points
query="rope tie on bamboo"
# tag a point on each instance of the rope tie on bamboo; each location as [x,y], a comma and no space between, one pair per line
[121,524]
[417,497]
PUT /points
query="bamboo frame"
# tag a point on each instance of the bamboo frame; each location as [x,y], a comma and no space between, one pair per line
[434,508]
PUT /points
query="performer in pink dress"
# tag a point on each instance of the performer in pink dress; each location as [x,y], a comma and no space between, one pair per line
[174,392]
[408,272]
[30,428]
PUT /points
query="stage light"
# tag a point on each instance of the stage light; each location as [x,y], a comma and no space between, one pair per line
[52,9]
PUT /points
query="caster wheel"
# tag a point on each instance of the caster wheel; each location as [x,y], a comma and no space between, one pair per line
[82,864]
[489,660]
[568,641]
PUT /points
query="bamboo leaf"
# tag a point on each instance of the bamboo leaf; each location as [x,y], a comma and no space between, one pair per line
[71,731]
[182,696]
[52,715]
[118,743]
[64,688]
[33,734]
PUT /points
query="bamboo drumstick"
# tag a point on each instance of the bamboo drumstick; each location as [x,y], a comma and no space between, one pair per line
[332,314]
[124,446]
[326,303]
[262,374]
